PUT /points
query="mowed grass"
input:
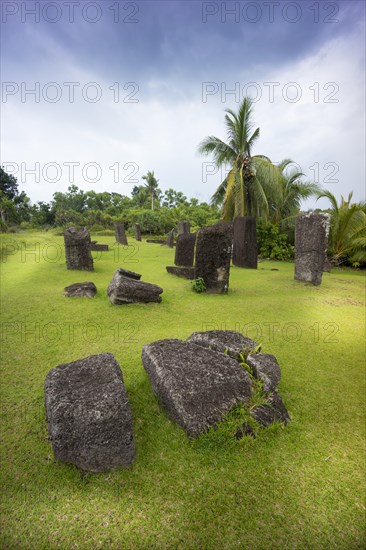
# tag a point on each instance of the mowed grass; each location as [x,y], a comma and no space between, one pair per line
[300,486]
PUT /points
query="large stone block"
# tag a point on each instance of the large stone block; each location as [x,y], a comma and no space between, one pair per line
[119,230]
[127,290]
[88,415]
[229,341]
[245,248]
[184,272]
[170,239]
[311,241]
[184,249]
[266,368]
[213,255]
[137,232]
[77,249]
[197,386]
[86,289]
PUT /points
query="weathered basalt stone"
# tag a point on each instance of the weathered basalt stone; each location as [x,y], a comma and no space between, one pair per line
[119,230]
[265,367]
[184,249]
[245,248]
[79,290]
[170,239]
[273,411]
[95,247]
[184,227]
[88,415]
[213,255]
[124,290]
[130,274]
[77,249]
[137,232]
[234,343]
[311,241]
[185,272]
[197,386]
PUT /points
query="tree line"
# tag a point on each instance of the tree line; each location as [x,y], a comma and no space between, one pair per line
[253,186]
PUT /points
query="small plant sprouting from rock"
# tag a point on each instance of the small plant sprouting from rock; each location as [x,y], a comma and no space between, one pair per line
[198,285]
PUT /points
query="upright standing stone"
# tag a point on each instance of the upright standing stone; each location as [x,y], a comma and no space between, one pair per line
[170,239]
[184,249]
[184,227]
[119,229]
[311,241]
[213,255]
[138,231]
[77,249]
[245,248]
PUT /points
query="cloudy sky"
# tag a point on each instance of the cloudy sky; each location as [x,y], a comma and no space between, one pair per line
[97,93]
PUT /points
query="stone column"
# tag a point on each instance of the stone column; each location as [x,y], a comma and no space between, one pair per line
[119,229]
[245,248]
[184,249]
[213,255]
[311,241]
[138,231]
[77,249]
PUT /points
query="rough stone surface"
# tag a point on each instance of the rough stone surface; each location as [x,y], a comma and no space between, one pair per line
[77,249]
[184,227]
[265,367]
[273,411]
[119,230]
[137,232]
[197,386]
[79,290]
[184,249]
[220,340]
[245,248]
[213,255]
[94,246]
[130,274]
[124,290]
[327,267]
[88,415]
[185,272]
[311,241]
[170,239]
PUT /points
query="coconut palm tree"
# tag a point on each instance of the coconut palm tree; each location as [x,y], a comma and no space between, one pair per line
[152,186]
[347,236]
[285,203]
[244,190]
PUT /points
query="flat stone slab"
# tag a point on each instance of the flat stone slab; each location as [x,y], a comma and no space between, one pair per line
[220,340]
[184,249]
[130,274]
[273,411]
[197,386]
[185,272]
[80,290]
[265,367]
[95,247]
[88,415]
[124,290]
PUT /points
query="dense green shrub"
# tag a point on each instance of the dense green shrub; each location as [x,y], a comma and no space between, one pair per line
[272,244]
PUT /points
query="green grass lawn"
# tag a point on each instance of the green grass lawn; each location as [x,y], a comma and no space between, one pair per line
[299,486]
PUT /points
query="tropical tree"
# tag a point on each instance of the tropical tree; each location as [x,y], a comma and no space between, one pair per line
[285,199]
[152,186]
[245,188]
[347,236]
